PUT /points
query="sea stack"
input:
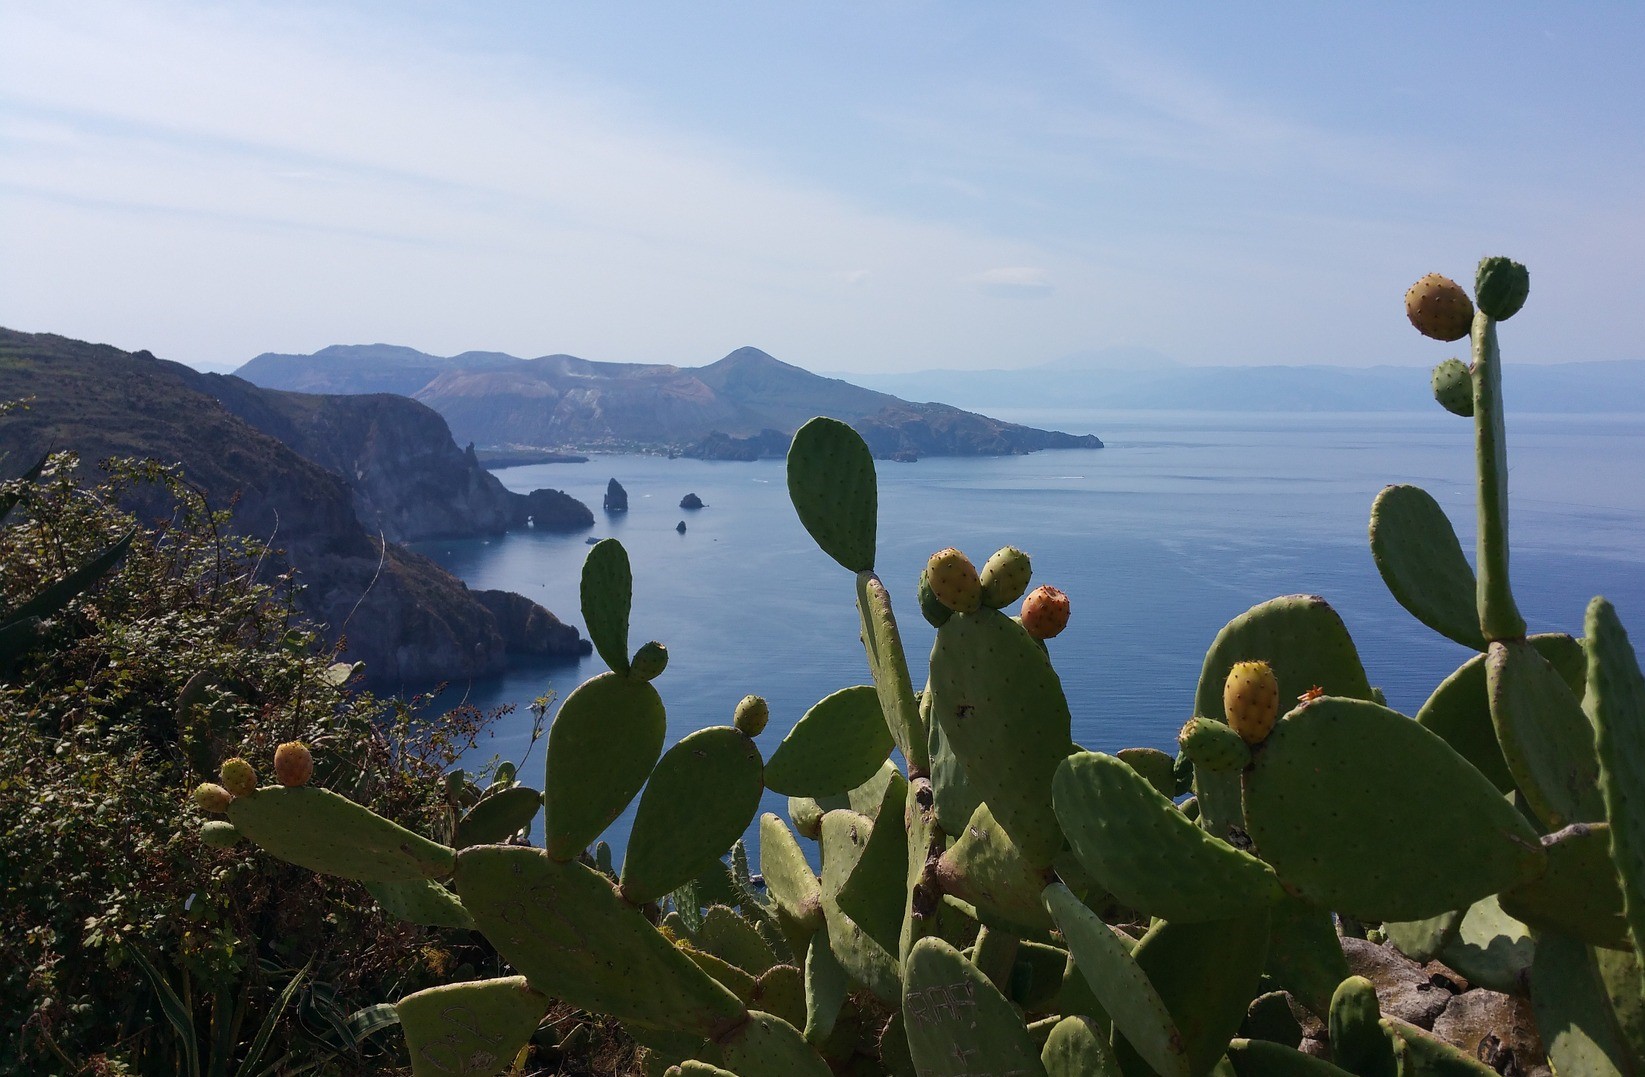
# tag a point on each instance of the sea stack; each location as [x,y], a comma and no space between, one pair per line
[616,498]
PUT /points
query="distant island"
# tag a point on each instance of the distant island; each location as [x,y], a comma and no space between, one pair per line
[746,406]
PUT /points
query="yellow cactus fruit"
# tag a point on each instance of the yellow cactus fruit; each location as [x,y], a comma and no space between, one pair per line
[1250,698]
[293,763]
[210,796]
[954,581]
[751,715]
[238,777]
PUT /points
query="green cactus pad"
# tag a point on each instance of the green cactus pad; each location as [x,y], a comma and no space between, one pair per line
[1573,1014]
[1003,711]
[601,749]
[767,1046]
[473,1029]
[788,876]
[1616,704]
[1358,1039]
[1077,1047]
[729,976]
[315,828]
[421,901]
[1501,286]
[1491,948]
[956,800]
[607,594]
[1119,984]
[1206,974]
[835,747]
[1423,940]
[1269,1016]
[872,894]
[1579,894]
[1453,385]
[695,1067]
[780,992]
[1459,710]
[1213,747]
[564,926]
[924,842]
[1624,987]
[1262,1058]
[1429,833]
[735,939]
[872,963]
[985,869]
[888,665]
[1304,954]
[826,985]
[1421,561]
[498,816]
[1419,1054]
[958,1023]
[1154,765]
[1547,742]
[1140,848]
[701,797]
[832,485]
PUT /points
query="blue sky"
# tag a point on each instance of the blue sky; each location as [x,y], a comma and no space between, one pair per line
[850,186]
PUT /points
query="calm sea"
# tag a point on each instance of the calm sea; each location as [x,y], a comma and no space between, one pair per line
[1182,522]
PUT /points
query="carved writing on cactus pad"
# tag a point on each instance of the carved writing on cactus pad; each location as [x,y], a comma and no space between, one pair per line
[942,1004]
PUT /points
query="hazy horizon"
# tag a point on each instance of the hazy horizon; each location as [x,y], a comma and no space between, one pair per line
[870,189]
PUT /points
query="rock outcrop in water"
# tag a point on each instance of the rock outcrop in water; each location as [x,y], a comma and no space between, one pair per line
[691,501]
[616,498]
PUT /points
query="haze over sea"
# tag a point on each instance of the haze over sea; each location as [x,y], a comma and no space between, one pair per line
[1183,521]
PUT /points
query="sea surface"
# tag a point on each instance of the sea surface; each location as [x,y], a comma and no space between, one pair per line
[1182,522]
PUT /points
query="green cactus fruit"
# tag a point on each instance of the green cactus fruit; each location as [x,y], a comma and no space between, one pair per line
[806,815]
[1357,1037]
[1304,954]
[1145,852]
[888,664]
[293,763]
[422,901]
[788,876]
[317,829]
[702,795]
[1045,612]
[1213,746]
[985,869]
[931,608]
[1420,559]
[866,959]
[1439,308]
[873,894]
[1615,702]
[648,662]
[835,747]
[1121,988]
[211,797]
[220,834]
[1005,577]
[1454,387]
[1436,835]
[499,815]
[1573,1014]
[601,749]
[826,986]
[954,580]
[1250,699]
[238,777]
[474,1029]
[1579,894]
[958,1022]
[832,485]
[1491,948]
[607,597]
[767,1046]
[1501,286]
[1003,711]
[1078,1047]
[567,930]
[751,715]
[1547,741]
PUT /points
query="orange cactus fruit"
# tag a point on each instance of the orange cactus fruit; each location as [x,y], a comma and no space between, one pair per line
[293,763]
[1045,612]
[1250,698]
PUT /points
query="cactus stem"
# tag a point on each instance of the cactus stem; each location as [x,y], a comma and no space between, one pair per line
[1499,618]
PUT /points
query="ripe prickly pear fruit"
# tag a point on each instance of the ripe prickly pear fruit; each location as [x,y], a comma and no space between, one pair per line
[649,661]
[1501,286]
[751,715]
[238,777]
[210,796]
[1250,698]
[220,833]
[1439,308]
[1045,612]
[1005,577]
[293,763]
[954,580]
[932,610]
[1454,387]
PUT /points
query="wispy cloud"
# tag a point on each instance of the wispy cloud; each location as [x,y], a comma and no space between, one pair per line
[1014,282]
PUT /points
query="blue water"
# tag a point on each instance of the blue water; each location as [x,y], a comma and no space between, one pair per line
[1184,521]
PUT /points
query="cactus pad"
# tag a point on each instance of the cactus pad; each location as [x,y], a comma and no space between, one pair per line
[1429,833]
[563,925]
[958,1022]
[220,834]
[866,959]
[888,665]
[601,749]
[788,876]
[1421,561]
[1616,704]
[1501,286]
[701,797]
[1139,847]
[1077,1047]
[499,815]
[1357,1037]
[1154,765]
[607,595]
[767,1046]
[1547,742]
[826,986]
[1003,711]
[1304,954]
[472,1029]
[1572,1012]
[871,894]
[832,485]
[985,869]
[1579,893]
[835,747]
[1490,948]
[316,829]
[1262,1058]
[735,939]
[422,901]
